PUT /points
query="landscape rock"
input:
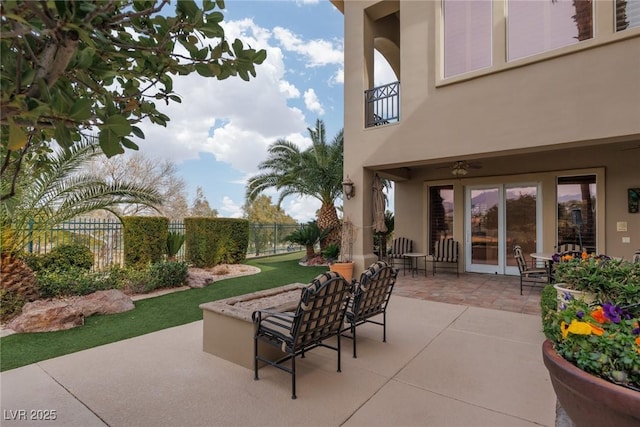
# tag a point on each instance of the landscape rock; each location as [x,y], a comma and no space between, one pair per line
[199,277]
[104,302]
[60,314]
[47,316]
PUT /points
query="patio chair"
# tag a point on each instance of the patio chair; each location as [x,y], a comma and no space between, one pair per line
[569,249]
[399,247]
[370,298]
[445,251]
[318,316]
[533,276]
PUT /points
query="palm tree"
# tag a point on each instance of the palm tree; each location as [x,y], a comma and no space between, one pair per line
[314,172]
[56,191]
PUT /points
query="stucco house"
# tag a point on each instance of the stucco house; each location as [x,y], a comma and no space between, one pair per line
[511,123]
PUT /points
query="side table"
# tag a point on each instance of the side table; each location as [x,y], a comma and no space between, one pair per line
[413,262]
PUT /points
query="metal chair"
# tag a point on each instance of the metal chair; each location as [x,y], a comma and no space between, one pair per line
[534,276]
[399,247]
[445,251]
[370,298]
[569,249]
[318,316]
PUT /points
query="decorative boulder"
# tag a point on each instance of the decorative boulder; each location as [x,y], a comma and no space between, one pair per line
[61,314]
[104,302]
[47,316]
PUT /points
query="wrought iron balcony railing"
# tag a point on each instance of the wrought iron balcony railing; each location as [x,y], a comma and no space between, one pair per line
[382,105]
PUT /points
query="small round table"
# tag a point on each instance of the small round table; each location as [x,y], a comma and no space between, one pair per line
[413,262]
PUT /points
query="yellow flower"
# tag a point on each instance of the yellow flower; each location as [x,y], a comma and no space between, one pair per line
[575,327]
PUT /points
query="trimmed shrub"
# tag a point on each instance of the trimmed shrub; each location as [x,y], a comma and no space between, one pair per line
[170,274]
[73,281]
[145,239]
[61,258]
[213,241]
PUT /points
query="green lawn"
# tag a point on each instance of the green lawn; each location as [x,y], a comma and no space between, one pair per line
[151,314]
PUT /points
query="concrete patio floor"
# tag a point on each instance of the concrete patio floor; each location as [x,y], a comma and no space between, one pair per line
[442,365]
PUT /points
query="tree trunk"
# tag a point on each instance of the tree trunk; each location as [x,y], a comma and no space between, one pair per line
[328,219]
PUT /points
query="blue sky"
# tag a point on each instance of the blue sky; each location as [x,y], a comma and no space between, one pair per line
[220,132]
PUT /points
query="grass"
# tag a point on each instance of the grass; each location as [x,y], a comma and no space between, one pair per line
[151,314]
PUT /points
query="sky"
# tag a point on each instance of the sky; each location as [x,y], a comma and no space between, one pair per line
[221,131]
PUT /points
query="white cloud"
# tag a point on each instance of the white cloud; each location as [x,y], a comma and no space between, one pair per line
[230,209]
[337,78]
[302,209]
[317,52]
[289,90]
[245,116]
[312,103]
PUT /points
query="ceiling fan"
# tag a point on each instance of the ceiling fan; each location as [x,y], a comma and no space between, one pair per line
[461,167]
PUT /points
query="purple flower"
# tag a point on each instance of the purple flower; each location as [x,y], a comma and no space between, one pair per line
[580,314]
[636,331]
[555,257]
[614,313]
[568,296]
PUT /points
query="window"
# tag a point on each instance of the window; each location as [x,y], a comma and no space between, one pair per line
[627,14]
[577,194]
[440,213]
[540,26]
[467,36]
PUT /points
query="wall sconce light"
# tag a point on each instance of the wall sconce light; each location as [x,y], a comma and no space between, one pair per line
[348,189]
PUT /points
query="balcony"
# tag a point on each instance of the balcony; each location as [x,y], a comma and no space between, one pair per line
[382,105]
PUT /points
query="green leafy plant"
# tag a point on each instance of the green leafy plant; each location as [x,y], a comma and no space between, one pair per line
[168,274]
[72,281]
[331,253]
[175,241]
[603,340]
[61,258]
[308,235]
[615,280]
[64,73]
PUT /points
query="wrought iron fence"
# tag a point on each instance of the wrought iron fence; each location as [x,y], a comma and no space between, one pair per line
[104,238]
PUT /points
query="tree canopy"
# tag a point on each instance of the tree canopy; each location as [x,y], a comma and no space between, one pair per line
[69,68]
[263,211]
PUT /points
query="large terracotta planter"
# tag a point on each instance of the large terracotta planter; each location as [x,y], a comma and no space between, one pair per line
[589,400]
[344,268]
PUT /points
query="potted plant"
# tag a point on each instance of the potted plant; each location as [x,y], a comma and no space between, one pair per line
[592,351]
[344,264]
[596,278]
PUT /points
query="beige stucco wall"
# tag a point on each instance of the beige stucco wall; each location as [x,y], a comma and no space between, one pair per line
[577,108]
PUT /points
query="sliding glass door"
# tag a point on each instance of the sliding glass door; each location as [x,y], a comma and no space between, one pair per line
[497,217]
